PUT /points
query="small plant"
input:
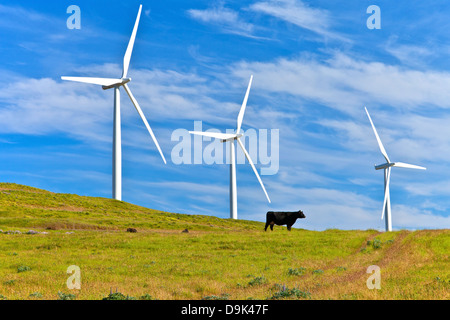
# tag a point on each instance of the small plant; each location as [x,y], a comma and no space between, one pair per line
[148,265]
[441,281]
[2,297]
[285,292]
[23,268]
[376,244]
[257,281]
[224,296]
[146,297]
[118,296]
[318,271]
[66,296]
[341,268]
[36,295]
[9,282]
[296,272]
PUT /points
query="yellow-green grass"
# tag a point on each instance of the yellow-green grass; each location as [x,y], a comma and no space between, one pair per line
[216,258]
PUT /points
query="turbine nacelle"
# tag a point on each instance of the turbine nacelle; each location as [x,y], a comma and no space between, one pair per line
[119,83]
[398,164]
[236,136]
[384,166]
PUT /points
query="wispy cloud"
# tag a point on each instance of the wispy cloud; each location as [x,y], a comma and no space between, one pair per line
[417,218]
[45,106]
[318,21]
[345,83]
[300,14]
[411,55]
[42,106]
[11,15]
[226,19]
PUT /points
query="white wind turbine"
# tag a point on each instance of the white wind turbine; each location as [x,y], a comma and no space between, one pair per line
[231,137]
[387,174]
[108,83]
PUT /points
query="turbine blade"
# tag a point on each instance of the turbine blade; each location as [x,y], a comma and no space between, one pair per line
[139,110]
[244,105]
[253,167]
[99,81]
[127,57]
[217,135]
[407,165]
[383,151]
[386,192]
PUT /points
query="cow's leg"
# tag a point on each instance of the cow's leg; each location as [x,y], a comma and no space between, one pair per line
[289,227]
[267,224]
[271,225]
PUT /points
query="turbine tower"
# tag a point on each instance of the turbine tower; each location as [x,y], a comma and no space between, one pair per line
[231,137]
[387,175]
[108,83]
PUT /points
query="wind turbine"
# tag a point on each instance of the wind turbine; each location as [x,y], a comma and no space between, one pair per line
[108,83]
[387,175]
[231,137]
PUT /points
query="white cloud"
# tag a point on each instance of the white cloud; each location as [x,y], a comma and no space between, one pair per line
[299,14]
[417,218]
[410,55]
[47,106]
[11,15]
[347,84]
[293,12]
[438,188]
[42,106]
[406,137]
[228,20]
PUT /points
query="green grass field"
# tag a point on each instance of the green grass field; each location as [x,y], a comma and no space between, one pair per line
[216,259]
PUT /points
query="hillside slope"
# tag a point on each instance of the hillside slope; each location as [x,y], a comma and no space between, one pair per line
[28,207]
[216,259]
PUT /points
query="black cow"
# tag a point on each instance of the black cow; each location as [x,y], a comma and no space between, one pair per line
[280,218]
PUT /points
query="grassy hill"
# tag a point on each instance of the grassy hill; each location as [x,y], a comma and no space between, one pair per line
[216,259]
[27,207]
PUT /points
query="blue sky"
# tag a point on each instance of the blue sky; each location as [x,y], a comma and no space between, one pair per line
[315,66]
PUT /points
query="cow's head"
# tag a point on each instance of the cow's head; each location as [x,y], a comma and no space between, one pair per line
[300,214]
